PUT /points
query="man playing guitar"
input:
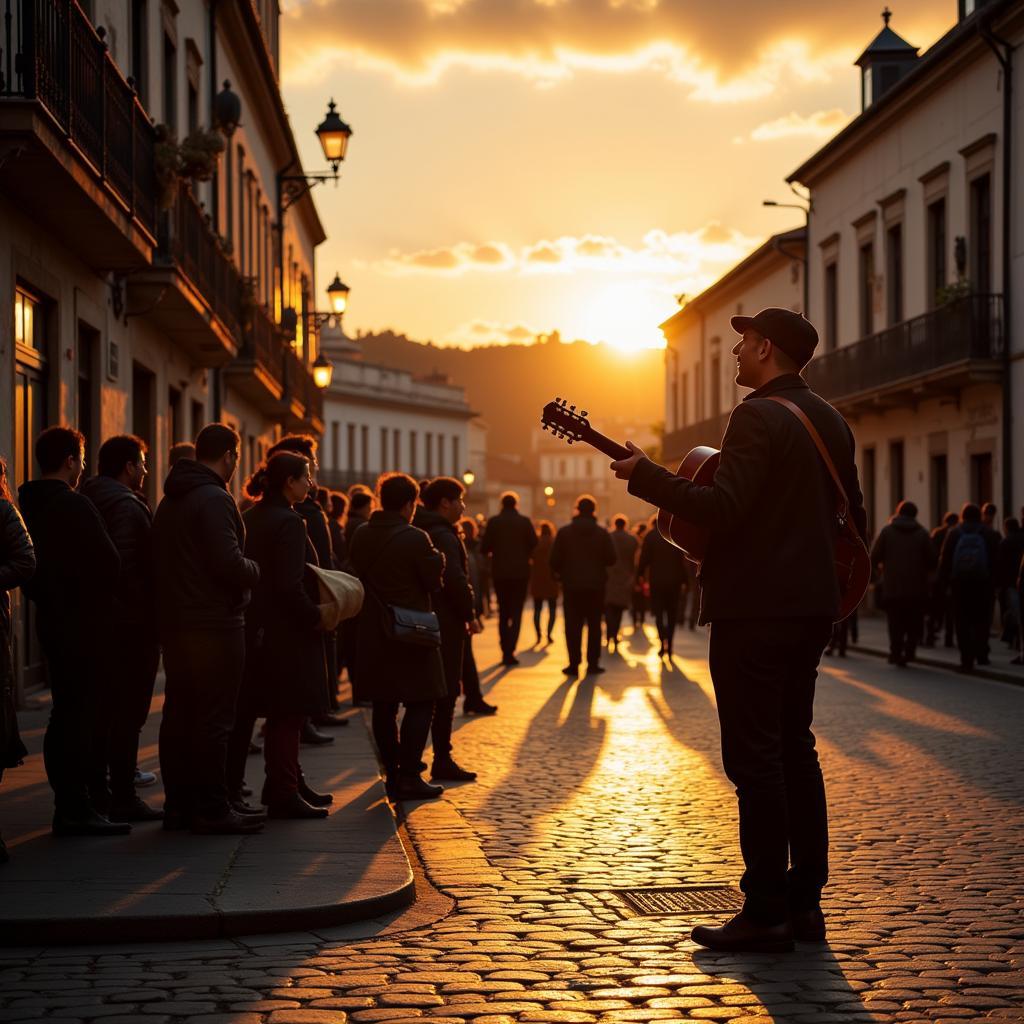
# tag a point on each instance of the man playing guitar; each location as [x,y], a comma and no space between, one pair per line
[769,591]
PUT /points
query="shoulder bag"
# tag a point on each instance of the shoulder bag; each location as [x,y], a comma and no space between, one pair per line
[405,625]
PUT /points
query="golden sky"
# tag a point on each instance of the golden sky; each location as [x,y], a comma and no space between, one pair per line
[521,166]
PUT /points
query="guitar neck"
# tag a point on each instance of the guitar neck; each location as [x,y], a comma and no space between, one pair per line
[611,448]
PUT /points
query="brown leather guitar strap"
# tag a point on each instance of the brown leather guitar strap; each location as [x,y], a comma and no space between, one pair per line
[844,501]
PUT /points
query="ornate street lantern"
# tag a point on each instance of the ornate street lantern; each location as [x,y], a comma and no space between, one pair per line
[337,292]
[323,372]
[334,135]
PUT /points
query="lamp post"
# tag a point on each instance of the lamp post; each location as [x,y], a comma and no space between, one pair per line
[337,292]
[805,209]
[323,371]
[337,295]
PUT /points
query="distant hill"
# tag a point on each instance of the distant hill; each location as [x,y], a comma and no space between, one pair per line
[508,385]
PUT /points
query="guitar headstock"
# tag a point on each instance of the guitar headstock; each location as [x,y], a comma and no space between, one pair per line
[564,421]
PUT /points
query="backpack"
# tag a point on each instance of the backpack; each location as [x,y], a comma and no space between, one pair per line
[970,559]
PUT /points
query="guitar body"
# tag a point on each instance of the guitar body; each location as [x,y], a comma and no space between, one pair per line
[699,467]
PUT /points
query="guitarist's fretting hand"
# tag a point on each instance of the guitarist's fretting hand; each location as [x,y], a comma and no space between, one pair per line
[623,468]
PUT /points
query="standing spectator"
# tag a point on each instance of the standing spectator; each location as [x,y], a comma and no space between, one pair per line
[664,565]
[543,585]
[903,552]
[399,568]
[1008,557]
[360,508]
[988,515]
[473,702]
[443,505]
[337,505]
[129,644]
[17,564]
[580,558]
[941,618]
[203,588]
[182,450]
[967,563]
[641,588]
[286,668]
[76,572]
[509,540]
[618,592]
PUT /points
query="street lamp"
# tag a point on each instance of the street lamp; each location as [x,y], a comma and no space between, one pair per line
[548,491]
[323,372]
[333,134]
[337,293]
[468,477]
[805,209]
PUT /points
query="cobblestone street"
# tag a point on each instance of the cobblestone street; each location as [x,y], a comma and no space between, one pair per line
[615,781]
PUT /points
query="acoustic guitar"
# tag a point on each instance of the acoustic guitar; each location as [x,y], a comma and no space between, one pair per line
[852,562]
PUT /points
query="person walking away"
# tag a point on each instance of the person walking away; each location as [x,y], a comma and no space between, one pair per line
[204,583]
[967,566]
[473,702]
[399,568]
[664,567]
[76,572]
[286,678]
[129,644]
[580,558]
[17,565]
[941,617]
[543,585]
[1008,556]
[443,505]
[509,540]
[641,588]
[770,592]
[618,593]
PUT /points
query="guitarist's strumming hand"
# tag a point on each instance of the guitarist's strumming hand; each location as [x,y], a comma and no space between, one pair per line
[623,468]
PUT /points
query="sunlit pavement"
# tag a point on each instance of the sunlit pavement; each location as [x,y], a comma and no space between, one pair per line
[614,781]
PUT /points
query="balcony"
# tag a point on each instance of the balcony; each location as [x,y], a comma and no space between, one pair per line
[258,374]
[929,356]
[677,443]
[76,146]
[304,401]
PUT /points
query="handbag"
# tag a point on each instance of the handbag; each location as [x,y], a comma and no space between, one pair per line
[405,625]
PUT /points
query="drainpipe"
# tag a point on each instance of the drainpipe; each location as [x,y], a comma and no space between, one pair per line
[216,378]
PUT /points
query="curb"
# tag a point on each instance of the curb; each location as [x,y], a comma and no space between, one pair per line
[994,674]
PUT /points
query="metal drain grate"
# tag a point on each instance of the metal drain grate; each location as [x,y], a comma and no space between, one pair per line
[694,899]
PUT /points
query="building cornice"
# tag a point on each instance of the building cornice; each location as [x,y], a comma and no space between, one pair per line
[936,172]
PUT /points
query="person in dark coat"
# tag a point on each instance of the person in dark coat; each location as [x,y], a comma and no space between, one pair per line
[286,669]
[360,508]
[641,588]
[337,505]
[941,618]
[770,591]
[17,565]
[1008,557]
[664,567]
[967,566]
[544,587]
[618,592]
[399,567]
[443,504]
[473,702]
[76,572]
[509,541]
[204,583]
[903,552]
[580,558]
[130,644]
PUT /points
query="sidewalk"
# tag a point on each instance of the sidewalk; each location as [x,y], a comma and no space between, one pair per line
[153,884]
[874,639]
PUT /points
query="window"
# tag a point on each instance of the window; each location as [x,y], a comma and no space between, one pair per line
[896,478]
[561,469]
[831,306]
[413,454]
[440,453]
[350,463]
[936,256]
[867,289]
[396,445]
[456,460]
[981,235]
[894,274]
[28,325]
[335,445]
[981,478]
[364,449]
[140,49]
[939,486]
[240,247]
[430,453]
[870,486]
[193,72]
[588,469]
[198,418]
[170,80]
[382,465]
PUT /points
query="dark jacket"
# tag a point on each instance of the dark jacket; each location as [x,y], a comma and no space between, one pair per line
[903,550]
[770,508]
[203,579]
[618,591]
[285,665]
[455,604]
[664,563]
[543,585]
[949,549]
[76,563]
[581,554]
[319,531]
[398,566]
[129,524]
[1008,556]
[339,545]
[17,564]
[352,523]
[509,539]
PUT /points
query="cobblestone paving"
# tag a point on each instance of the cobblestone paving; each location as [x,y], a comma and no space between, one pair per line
[612,782]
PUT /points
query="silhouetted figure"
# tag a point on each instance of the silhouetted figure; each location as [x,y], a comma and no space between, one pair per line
[509,540]
[641,588]
[618,591]
[400,568]
[76,572]
[664,566]
[988,515]
[580,558]
[1008,558]
[204,585]
[968,566]
[941,618]
[473,702]
[443,504]
[360,507]
[903,552]
[129,643]
[17,565]
[337,506]
[543,585]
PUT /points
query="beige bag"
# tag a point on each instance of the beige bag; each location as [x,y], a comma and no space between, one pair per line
[344,593]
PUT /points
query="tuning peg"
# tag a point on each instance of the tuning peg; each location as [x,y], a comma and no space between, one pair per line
[572,408]
[584,413]
[570,440]
[558,401]
[543,426]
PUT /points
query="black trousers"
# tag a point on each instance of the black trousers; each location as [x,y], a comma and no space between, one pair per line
[764,671]
[238,748]
[441,728]
[470,675]
[401,750]
[583,608]
[613,620]
[905,617]
[538,608]
[972,606]
[511,598]
[204,673]
[665,607]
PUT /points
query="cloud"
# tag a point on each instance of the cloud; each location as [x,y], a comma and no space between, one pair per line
[450,259]
[723,53]
[488,332]
[819,125]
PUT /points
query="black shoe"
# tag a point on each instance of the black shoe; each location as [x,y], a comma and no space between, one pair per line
[330,721]
[510,661]
[247,810]
[412,787]
[88,824]
[312,797]
[808,925]
[293,806]
[551,638]
[448,771]
[742,935]
[595,670]
[135,810]
[229,824]
[478,707]
[571,670]
[311,738]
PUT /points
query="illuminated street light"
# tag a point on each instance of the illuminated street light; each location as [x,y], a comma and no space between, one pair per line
[549,491]
[323,371]
[468,477]
[337,293]
[333,134]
